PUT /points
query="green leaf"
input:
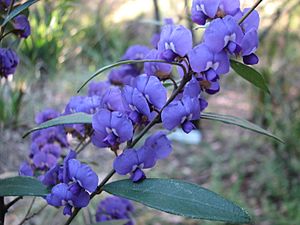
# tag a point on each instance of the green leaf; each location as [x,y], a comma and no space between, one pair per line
[239,122]
[22,186]
[18,10]
[76,118]
[179,198]
[250,74]
[112,222]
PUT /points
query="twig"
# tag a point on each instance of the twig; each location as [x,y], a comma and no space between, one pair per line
[8,205]
[3,210]
[28,211]
[250,11]
[33,214]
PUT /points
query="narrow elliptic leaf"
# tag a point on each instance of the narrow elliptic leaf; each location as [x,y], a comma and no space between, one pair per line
[76,118]
[250,74]
[179,198]
[112,222]
[239,122]
[17,11]
[22,186]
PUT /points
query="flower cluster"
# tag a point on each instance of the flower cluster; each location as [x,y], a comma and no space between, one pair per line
[20,26]
[71,184]
[134,98]
[46,146]
[115,208]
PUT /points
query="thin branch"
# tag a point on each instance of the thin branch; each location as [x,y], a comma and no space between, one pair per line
[250,11]
[33,214]
[8,205]
[3,210]
[28,211]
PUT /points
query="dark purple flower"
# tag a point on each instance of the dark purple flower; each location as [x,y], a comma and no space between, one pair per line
[161,70]
[46,115]
[21,26]
[114,208]
[111,128]
[8,62]
[181,112]
[176,39]
[223,33]
[4,4]
[152,89]
[203,60]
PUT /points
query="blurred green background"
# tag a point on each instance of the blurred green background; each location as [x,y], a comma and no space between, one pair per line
[72,38]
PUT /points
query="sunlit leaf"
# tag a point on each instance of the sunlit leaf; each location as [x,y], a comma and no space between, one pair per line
[250,74]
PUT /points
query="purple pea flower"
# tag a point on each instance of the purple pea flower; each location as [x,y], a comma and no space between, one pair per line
[4,4]
[26,169]
[114,208]
[223,33]
[8,62]
[112,100]
[84,104]
[209,9]
[21,26]
[46,115]
[203,60]
[249,46]
[133,161]
[161,70]
[98,88]
[111,128]
[123,75]
[175,40]
[152,89]
[136,52]
[139,107]
[181,112]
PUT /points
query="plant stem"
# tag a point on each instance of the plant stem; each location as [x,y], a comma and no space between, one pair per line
[8,205]
[33,214]
[250,11]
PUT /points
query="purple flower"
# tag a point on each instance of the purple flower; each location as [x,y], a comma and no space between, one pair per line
[8,62]
[209,9]
[111,128]
[152,89]
[46,115]
[132,161]
[174,39]
[97,88]
[4,4]
[21,26]
[181,112]
[136,52]
[123,75]
[112,100]
[26,169]
[223,33]
[139,107]
[203,60]
[161,70]
[84,104]
[114,208]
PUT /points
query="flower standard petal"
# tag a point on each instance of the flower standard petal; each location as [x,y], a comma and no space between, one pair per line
[126,162]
